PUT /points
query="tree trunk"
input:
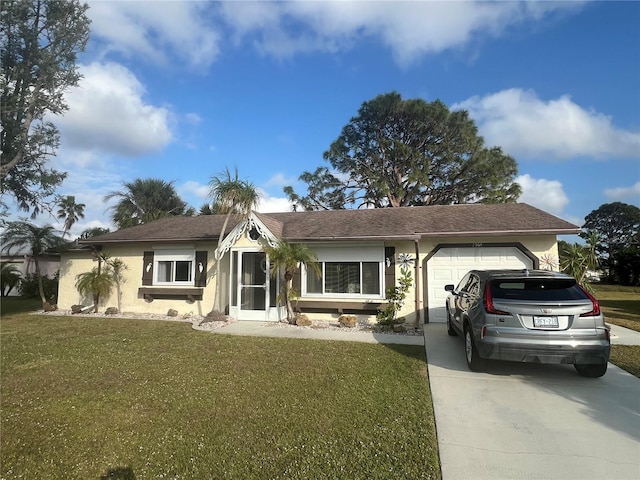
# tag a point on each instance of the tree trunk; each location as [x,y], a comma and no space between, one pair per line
[39,277]
[218,290]
[291,316]
[119,294]
[96,300]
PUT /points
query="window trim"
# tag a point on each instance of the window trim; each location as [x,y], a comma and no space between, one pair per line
[174,255]
[324,294]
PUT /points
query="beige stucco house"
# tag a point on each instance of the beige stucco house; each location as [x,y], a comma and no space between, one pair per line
[172,262]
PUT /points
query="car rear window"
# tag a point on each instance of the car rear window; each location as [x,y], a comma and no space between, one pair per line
[537,289]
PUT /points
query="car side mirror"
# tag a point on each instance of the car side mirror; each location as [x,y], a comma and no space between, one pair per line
[449,288]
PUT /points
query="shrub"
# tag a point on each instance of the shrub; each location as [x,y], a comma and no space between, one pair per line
[28,287]
[397,294]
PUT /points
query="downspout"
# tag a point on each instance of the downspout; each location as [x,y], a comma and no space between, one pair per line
[417,275]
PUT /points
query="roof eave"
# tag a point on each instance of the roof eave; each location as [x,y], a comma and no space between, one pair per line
[351,238]
[148,240]
[496,233]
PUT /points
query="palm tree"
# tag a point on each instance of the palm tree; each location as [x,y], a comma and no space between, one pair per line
[230,196]
[117,272]
[69,211]
[209,209]
[144,200]
[37,239]
[9,278]
[96,283]
[93,232]
[576,260]
[591,256]
[286,257]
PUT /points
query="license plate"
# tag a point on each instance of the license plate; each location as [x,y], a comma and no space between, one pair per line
[545,322]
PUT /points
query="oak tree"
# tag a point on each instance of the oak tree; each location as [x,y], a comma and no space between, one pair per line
[398,153]
[617,225]
[39,44]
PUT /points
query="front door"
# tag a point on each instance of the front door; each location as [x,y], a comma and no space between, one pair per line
[253,287]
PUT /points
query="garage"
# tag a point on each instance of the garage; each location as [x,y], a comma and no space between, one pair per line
[450,263]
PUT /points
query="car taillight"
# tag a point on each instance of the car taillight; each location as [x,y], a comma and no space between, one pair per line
[595,311]
[488,302]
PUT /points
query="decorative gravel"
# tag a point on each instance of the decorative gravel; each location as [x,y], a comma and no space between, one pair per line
[202,323]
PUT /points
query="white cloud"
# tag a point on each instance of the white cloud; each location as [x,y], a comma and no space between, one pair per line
[192,188]
[196,194]
[107,113]
[269,204]
[193,119]
[522,124]
[631,193]
[192,32]
[153,30]
[547,195]
[280,180]
[409,29]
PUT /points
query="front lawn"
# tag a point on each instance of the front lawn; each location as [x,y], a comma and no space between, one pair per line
[119,398]
[620,305]
[627,357]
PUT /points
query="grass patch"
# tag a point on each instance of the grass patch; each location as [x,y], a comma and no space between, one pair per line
[621,305]
[627,357]
[13,305]
[85,398]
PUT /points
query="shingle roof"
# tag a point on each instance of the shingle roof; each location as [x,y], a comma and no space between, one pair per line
[387,223]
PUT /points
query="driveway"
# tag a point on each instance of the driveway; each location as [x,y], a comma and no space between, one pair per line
[525,421]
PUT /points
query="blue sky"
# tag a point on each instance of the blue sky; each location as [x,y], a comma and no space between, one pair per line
[183,90]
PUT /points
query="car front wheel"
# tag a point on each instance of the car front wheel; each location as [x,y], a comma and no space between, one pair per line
[591,370]
[474,362]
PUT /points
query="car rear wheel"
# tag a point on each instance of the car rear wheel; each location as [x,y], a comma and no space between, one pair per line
[591,370]
[450,330]
[474,362]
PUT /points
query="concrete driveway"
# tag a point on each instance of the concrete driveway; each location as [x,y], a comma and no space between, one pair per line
[524,421]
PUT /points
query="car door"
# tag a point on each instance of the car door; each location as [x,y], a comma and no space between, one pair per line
[457,302]
[472,295]
[467,297]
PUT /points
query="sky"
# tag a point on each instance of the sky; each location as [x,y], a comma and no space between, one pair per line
[183,90]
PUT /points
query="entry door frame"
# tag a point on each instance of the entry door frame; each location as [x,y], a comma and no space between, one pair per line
[251,314]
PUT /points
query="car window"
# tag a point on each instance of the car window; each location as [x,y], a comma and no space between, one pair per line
[557,289]
[462,283]
[473,287]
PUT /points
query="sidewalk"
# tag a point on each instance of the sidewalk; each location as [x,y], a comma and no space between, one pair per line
[624,336]
[619,335]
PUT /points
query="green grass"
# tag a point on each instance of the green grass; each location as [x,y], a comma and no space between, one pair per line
[12,305]
[627,357]
[621,305]
[116,398]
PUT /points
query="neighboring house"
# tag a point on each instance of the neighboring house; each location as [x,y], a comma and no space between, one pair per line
[172,262]
[49,266]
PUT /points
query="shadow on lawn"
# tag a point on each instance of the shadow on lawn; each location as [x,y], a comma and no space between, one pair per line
[119,473]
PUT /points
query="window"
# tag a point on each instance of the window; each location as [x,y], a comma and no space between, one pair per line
[345,278]
[174,267]
[347,271]
[538,289]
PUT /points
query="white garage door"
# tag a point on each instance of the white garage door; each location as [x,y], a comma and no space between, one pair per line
[450,264]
